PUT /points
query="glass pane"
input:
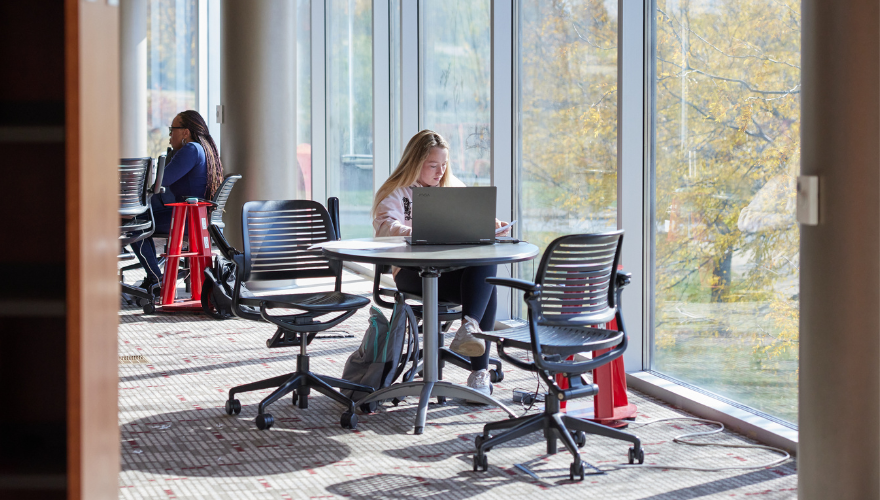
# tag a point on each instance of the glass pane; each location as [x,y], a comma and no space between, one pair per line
[396,108]
[727,123]
[457,82]
[350,113]
[304,98]
[567,93]
[172,66]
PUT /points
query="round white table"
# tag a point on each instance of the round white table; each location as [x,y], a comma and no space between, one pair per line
[430,261]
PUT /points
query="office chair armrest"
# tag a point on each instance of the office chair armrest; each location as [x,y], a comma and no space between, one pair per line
[583,366]
[526,286]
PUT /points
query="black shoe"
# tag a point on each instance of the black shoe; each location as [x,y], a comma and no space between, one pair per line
[150,283]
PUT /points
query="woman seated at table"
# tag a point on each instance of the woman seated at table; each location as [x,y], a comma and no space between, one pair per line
[425,164]
[193,171]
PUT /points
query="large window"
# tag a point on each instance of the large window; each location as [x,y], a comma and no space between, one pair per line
[567,94]
[172,66]
[304,97]
[456,41]
[727,120]
[349,111]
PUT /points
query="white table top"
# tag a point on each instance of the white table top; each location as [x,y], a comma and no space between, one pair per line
[395,251]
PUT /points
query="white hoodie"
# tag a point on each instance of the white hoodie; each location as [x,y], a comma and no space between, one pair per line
[394,213]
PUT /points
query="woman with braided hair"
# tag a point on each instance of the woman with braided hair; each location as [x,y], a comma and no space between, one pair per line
[194,171]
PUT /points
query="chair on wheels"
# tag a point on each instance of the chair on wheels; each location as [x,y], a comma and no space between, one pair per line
[577,289]
[135,192]
[448,312]
[277,236]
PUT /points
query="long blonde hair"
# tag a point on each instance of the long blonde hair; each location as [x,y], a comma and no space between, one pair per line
[410,166]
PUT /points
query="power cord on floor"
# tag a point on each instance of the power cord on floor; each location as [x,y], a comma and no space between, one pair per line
[681,440]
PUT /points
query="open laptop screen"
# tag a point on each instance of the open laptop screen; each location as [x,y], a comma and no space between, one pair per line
[454,215]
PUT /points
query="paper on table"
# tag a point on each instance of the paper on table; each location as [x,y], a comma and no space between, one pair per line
[504,228]
[359,245]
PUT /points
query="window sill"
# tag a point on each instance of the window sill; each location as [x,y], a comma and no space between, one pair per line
[753,426]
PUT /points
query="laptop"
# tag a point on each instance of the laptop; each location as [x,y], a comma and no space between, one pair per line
[453,216]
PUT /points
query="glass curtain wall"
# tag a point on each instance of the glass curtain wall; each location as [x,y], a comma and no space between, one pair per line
[456,43]
[304,97]
[172,66]
[567,94]
[727,123]
[349,67]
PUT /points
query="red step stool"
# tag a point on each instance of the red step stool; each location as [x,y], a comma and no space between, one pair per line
[199,254]
[611,406]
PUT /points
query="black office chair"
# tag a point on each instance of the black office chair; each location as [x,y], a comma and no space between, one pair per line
[135,192]
[577,286]
[448,312]
[277,236]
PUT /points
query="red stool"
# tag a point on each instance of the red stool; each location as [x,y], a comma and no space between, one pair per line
[196,216]
[611,406]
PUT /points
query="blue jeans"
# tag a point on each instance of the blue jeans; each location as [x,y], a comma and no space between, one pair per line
[467,287]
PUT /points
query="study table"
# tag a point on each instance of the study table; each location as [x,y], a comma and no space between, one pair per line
[430,261]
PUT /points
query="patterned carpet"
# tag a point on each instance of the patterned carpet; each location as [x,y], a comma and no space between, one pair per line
[178,442]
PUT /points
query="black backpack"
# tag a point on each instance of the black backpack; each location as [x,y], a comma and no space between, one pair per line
[217,288]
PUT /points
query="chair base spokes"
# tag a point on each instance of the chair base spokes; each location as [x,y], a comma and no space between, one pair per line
[300,382]
[570,430]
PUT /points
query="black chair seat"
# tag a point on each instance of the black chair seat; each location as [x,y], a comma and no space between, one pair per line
[323,301]
[133,225]
[563,341]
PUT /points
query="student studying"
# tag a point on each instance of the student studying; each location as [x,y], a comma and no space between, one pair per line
[194,171]
[425,164]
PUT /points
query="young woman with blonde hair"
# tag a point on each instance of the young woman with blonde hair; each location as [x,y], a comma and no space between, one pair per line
[425,164]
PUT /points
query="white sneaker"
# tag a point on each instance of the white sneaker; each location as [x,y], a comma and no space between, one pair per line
[479,381]
[464,342]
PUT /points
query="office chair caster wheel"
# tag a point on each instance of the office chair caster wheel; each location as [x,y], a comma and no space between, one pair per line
[302,401]
[496,376]
[576,470]
[368,408]
[149,308]
[479,440]
[233,407]
[481,462]
[349,420]
[640,455]
[580,438]
[395,401]
[264,421]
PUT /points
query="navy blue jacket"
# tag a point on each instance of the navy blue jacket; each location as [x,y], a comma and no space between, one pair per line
[186,175]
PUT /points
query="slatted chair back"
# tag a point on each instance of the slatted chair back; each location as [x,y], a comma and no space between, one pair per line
[220,199]
[277,236]
[133,174]
[576,274]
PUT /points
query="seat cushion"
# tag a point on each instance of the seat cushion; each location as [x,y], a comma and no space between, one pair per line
[322,301]
[556,339]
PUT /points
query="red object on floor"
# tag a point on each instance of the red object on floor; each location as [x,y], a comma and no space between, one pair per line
[199,254]
[611,405]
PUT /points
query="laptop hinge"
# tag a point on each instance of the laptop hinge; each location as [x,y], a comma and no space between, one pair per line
[425,242]
[485,240]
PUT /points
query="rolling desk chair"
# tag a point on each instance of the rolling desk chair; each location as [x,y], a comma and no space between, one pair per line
[577,286]
[277,236]
[135,192]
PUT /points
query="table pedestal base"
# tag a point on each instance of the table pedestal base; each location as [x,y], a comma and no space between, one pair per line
[426,390]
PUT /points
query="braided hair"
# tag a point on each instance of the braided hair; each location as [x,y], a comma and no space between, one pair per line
[198,131]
